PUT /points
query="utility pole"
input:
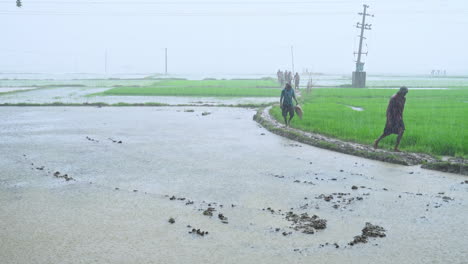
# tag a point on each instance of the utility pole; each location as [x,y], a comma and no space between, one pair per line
[292,59]
[359,76]
[166,61]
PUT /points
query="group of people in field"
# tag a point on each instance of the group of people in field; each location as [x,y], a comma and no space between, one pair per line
[393,125]
[287,77]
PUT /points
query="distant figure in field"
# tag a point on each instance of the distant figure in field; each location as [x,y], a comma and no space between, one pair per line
[296,81]
[395,124]
[309,85]
[279,74]
[286,103]
[290,77]
[286,76]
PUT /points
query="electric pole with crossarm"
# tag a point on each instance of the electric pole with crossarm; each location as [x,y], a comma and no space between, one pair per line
[359,76]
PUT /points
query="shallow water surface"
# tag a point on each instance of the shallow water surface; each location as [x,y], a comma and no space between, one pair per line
[79,95]
[116,210]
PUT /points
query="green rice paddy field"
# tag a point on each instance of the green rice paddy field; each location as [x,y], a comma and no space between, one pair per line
[220,88]
[436,120]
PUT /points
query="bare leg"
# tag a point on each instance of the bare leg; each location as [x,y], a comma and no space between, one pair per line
[290,120]
[376,142]
[400,135]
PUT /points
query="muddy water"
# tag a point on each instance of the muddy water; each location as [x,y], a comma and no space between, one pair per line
[78,95]
[211,160]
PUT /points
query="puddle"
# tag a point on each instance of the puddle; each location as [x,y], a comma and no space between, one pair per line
[356,108]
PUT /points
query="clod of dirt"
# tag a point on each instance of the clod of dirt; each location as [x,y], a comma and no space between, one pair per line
[271,210]
[447,198]
[172,198]
[369,230]
[117,188]
[205,113]
[92,139]
[171,220]
[116,141]
[135,190]
[358,239]
[189,110]
[223,219]
[64,176]
[40,168]
[326,198]
[262,134]
[354,187]
[209,211]
[198,232]
[305,223]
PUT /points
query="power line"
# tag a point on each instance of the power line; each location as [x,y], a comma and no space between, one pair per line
[214,13]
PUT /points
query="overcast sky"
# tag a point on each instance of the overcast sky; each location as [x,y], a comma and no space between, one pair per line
[228,36]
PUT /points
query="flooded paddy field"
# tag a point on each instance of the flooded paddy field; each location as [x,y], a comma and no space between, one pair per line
[204,184]
[79,95]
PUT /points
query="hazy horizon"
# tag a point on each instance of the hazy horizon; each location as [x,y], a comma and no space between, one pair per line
[227,37]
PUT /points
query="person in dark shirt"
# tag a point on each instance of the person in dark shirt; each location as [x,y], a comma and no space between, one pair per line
[395,124]
[286,103]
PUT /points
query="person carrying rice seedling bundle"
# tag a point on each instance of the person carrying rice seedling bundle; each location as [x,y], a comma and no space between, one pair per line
[286,103]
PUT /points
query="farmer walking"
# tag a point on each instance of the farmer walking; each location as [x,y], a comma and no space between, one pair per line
[395,124]
[296,81]
[279,74]
[286,103]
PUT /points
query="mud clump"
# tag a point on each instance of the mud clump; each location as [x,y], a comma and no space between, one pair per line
[198,232]
[189,110]
[171,220]
[223,219]
[209,211]
[326,198]
[91,139]
[369,230]
[305,223]
[116,141]
[206,113]
[64,176]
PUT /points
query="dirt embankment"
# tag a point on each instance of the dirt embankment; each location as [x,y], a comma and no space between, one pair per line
[263,117]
